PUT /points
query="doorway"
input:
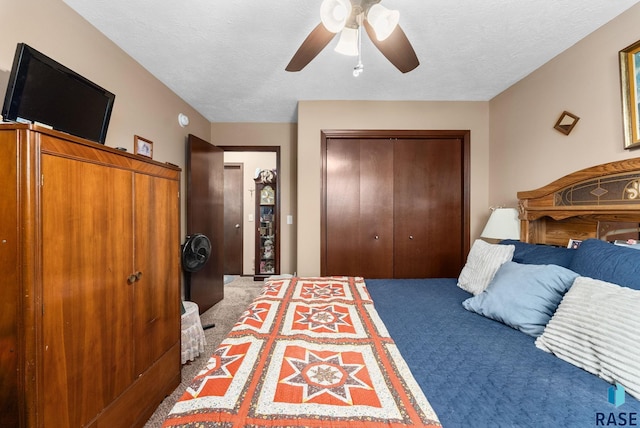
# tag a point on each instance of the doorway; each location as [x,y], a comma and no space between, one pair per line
[249,159]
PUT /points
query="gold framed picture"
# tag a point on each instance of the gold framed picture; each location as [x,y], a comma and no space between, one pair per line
[142,146]
[630,85]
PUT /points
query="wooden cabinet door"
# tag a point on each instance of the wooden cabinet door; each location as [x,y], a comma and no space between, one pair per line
[157,252]
[359,208]
[87,343]
[428,208]
[11,293]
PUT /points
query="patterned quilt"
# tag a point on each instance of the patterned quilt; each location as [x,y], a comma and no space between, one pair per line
[308,352]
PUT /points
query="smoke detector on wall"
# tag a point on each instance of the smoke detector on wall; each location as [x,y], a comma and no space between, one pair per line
[183,120]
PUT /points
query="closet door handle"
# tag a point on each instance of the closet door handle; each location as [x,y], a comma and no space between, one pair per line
[138,275]
[131,279]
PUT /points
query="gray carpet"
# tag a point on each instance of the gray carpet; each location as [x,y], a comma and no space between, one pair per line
[238,294]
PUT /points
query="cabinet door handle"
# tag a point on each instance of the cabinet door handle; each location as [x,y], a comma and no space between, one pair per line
[237,226]
[410,236]
[131,279]
[377,237]
[138,275]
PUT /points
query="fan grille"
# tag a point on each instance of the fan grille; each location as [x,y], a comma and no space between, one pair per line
[195,252]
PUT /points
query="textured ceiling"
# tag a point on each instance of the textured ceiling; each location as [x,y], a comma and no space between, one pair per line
[227,58]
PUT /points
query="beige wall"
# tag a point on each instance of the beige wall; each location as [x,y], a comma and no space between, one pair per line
[314,116]
[270,134]
[143,105]
[250,162]
[513,144]
[525,151]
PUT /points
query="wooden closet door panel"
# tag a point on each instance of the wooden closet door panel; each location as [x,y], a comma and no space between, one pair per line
[157,255]
[342,208]
[428,207]
[359,209]
[376,208]
[86,258]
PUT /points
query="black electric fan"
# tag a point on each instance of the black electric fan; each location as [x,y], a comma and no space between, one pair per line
[195,252]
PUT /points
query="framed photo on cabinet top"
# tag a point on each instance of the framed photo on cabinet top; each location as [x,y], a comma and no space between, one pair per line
[630,85]
[574,243]
[142,146]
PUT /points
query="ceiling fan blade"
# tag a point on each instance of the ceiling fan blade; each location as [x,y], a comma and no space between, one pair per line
[310,48]
[396,48]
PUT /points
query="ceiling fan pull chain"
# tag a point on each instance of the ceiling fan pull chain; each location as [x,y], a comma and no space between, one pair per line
[359,68]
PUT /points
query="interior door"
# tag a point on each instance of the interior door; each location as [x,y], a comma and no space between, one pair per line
[205,214]
[233,219]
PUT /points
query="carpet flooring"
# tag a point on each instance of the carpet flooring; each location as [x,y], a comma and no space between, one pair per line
[238,294]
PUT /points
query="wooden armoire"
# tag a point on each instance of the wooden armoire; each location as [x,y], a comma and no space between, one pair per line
[395,204]
[90,298]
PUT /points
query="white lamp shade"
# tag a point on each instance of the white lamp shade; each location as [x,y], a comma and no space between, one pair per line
[334,14]
[383,20]
[348,43]
[503,224]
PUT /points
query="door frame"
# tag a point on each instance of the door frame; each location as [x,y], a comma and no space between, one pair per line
[276,150]
[326,134]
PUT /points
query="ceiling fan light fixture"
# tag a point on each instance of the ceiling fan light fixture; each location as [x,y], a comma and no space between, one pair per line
[383,20]
[334,14]
[348,42]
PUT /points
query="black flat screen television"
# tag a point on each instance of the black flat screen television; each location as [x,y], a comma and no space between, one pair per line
[41,90]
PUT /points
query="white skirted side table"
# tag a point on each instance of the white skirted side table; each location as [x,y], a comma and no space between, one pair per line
[193,340]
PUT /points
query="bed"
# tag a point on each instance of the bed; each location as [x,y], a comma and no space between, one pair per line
[530,334]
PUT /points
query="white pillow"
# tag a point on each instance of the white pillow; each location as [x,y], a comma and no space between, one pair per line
[483,262]
[597,328]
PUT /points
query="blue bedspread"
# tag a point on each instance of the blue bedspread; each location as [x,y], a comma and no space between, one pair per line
[477,372]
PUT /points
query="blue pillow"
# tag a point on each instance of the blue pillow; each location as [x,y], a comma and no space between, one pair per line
[538,254]
[523,296]
[607,262]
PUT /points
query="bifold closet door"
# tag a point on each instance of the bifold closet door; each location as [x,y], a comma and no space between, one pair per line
[359,208]
[428,208]
[395,203]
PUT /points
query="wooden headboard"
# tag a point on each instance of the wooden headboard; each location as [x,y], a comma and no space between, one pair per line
[598,202]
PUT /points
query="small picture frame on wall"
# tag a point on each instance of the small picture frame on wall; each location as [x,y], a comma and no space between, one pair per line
[566,122]
[630,86]
[142,146]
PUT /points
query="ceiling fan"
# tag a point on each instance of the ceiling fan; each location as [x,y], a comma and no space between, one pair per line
[347,17]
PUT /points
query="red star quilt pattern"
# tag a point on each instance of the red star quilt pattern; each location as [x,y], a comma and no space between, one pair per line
[308,352]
